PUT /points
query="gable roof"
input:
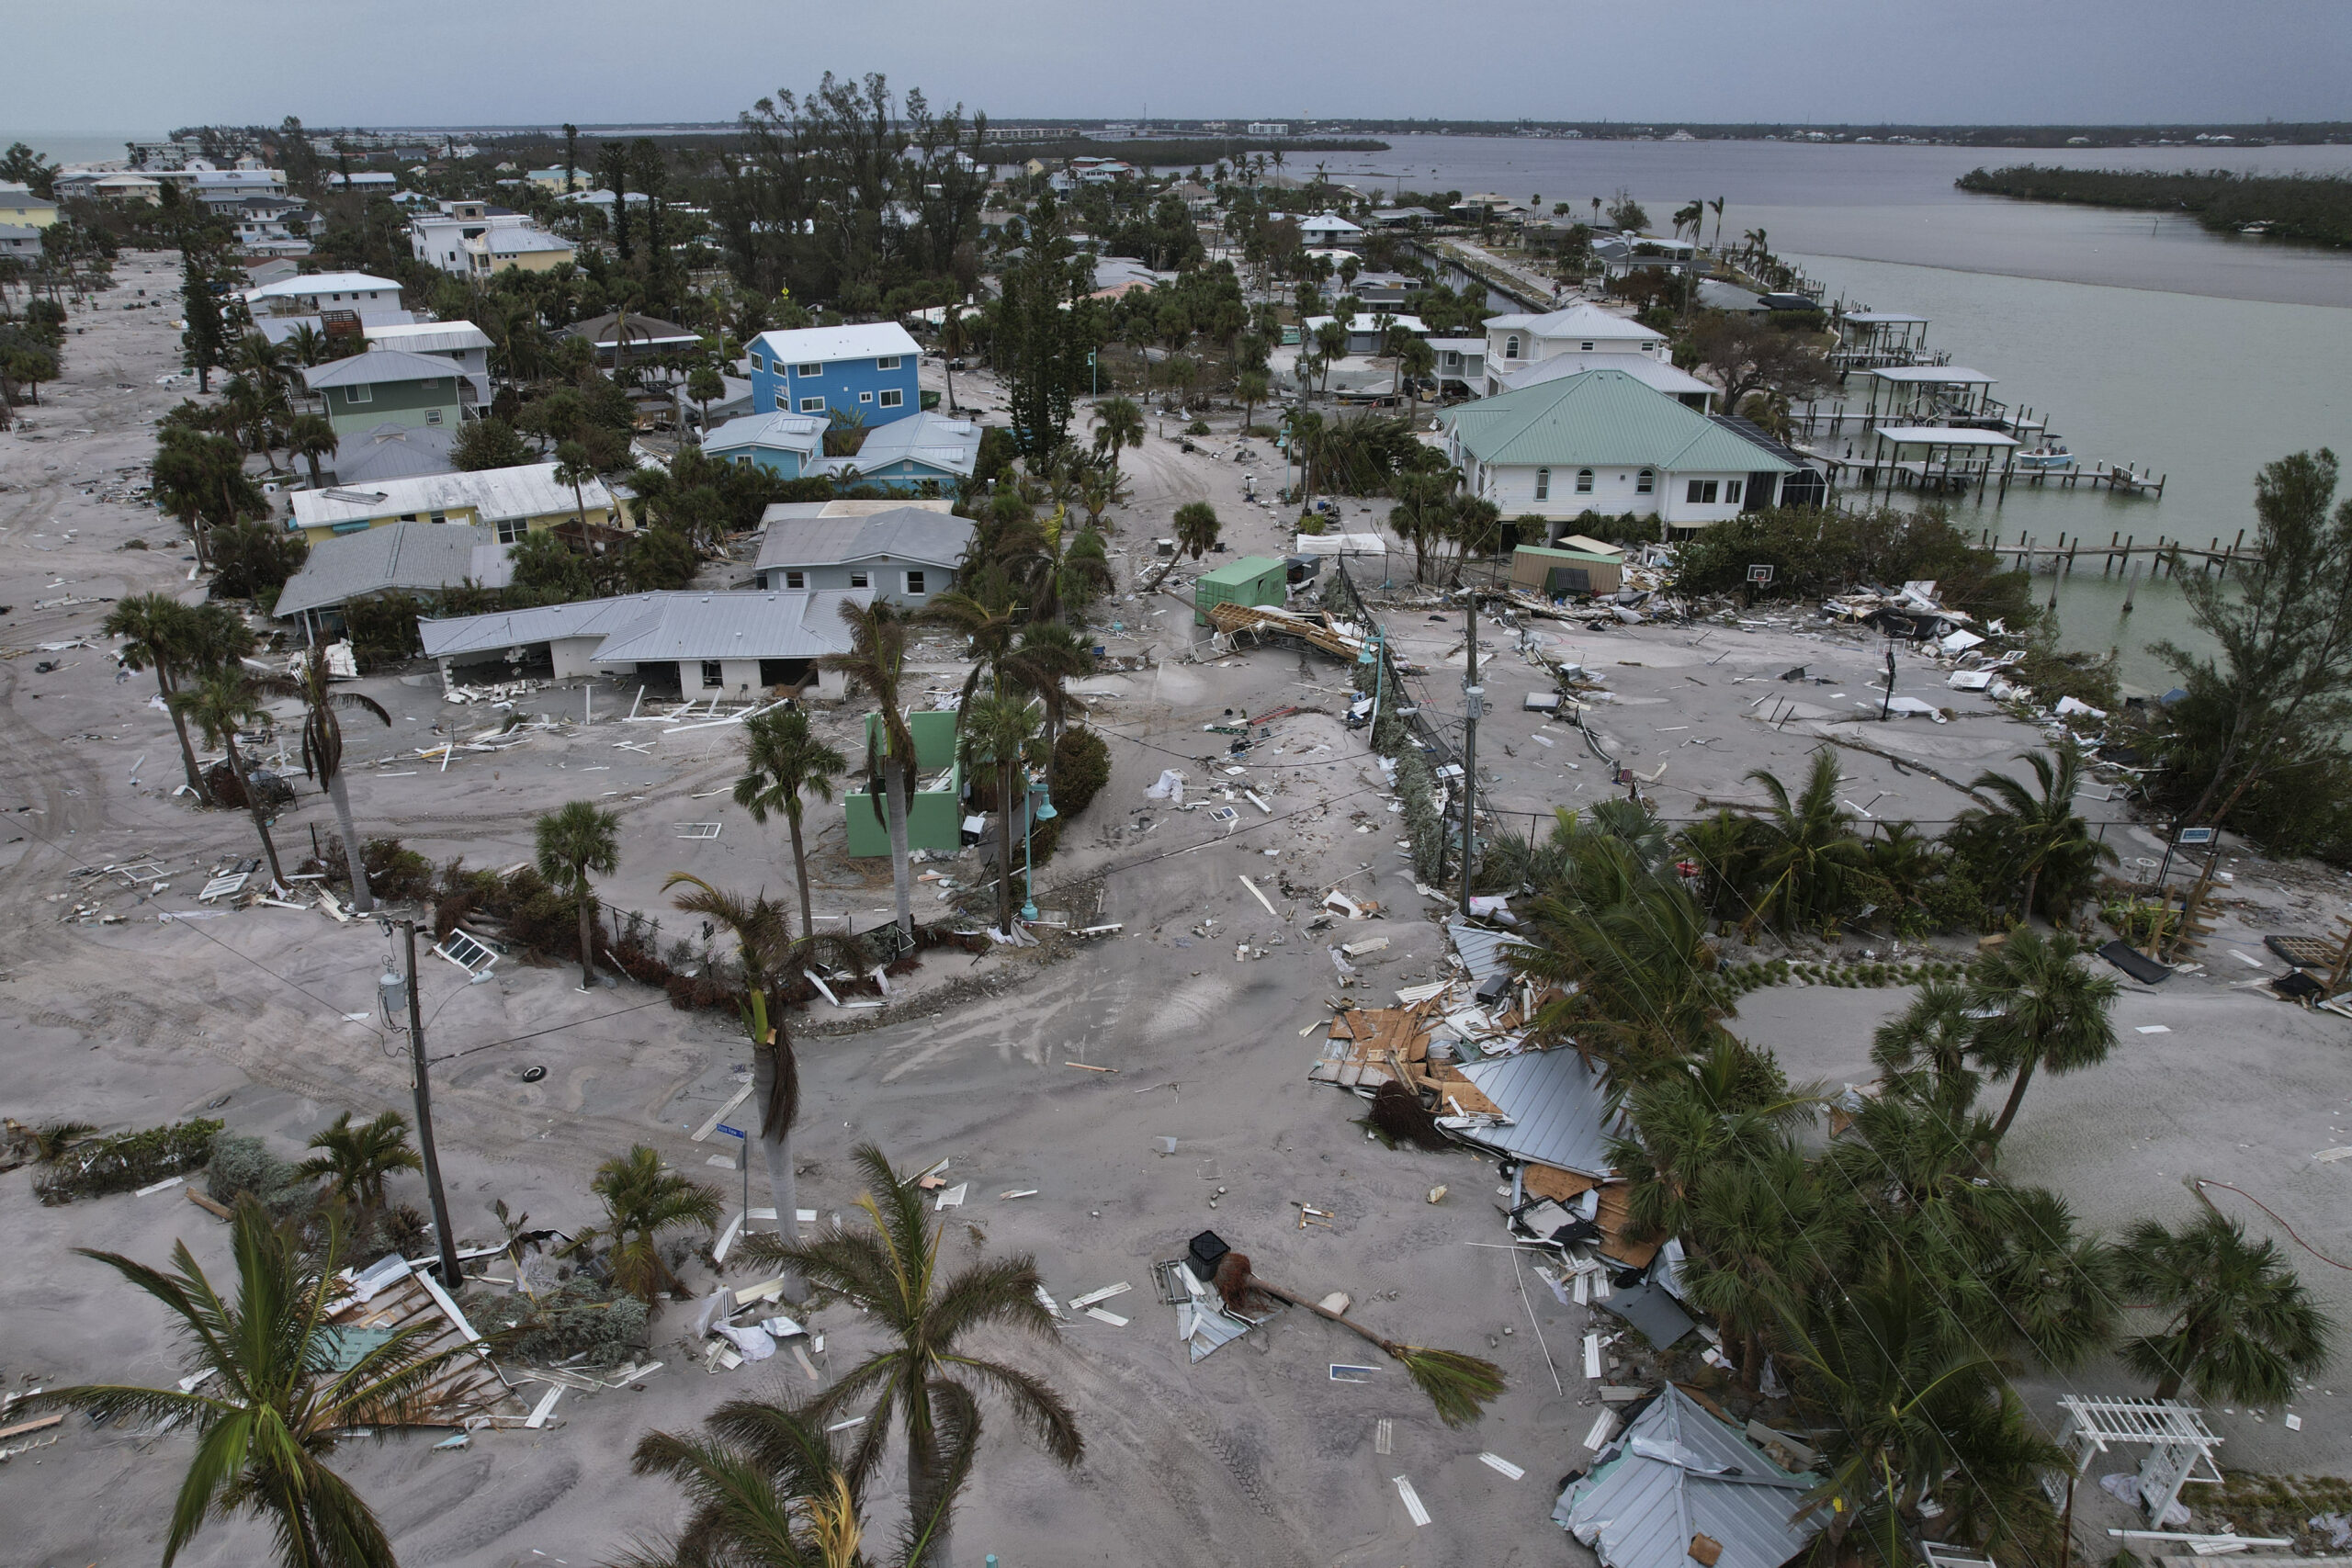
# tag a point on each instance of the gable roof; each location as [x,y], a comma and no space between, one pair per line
[1558,1109]
[413,556]
[497,494]
[1600,418]
[647,331]
[1580,321]
[819,345]
[1516,374]
[307,284]
[394,452]
[901,533]
[424,337]
[951,445]
[798,433]
[1678,1472]
[721,624]
[377,366]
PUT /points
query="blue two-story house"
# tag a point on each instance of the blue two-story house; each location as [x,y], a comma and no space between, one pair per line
[866,373]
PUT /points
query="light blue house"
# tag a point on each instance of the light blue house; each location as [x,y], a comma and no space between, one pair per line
[907,454]
[787,445]
[865,373]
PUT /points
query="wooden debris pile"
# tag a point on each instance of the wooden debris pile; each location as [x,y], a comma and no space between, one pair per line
[1370,1046]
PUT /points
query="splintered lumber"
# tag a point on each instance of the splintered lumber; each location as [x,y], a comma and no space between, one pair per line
[1317,629]
[1613,1219]
[1551,1182]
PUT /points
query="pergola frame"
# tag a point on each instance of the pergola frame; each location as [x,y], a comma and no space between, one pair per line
[2176,1437]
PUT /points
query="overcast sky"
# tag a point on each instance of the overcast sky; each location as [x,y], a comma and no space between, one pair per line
[123,67]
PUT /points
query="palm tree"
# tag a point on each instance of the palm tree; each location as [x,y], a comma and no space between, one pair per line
[983,611]
[1690,216]
[223,701]
[1934,1035]
[574,843]
[783,757]
[1765,1234]
[1099,489]
[1197,529]
[306,345]
[2043,833]
[767,1488]
[702,385]
[266,1403]
[573,467]
[1250,388]
[323,755]
[954,338]
[643,1199]
[2239,1326]
[2052,1013]
[311,437]
[891,1271]
[1048,655]
[156,631]
[997,730]
[1718,205]
[1118,423]
[357,1159]
[876,660]
[1415,363]
[1808,861]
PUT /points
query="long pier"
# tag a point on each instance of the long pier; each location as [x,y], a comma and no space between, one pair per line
[2165,557]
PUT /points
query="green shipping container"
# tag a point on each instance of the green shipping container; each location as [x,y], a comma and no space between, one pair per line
[1252,580]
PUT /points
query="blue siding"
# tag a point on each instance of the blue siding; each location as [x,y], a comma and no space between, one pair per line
[854,386]
[776,460]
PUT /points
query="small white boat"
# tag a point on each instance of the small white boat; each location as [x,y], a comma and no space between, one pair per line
[2046,458]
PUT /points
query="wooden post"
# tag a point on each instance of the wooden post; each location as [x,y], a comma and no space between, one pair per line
[2130,585]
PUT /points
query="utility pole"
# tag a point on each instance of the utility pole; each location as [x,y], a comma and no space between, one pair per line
[451,1275]
[1474,702]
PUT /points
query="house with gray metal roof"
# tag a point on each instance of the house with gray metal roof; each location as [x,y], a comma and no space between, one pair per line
[392,452]
[927,449]
[905,553]
[787,445]
[1557,1104]
[390,384]
[462,344]
[421,558]
[691,643]
[1602,442]
[1680,1486]
[523,500]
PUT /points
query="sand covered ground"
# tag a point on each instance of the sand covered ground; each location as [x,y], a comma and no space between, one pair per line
[1255,1455]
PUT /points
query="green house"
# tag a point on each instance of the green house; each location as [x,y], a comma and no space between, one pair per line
[936,818]
[1251,579]
[391,386]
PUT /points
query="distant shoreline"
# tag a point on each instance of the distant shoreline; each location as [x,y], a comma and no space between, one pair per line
[2314,210]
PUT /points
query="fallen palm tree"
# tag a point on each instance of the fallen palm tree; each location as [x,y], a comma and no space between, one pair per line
[1459,1386]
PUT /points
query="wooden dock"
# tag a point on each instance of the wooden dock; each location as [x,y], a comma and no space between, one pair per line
[2123,479]
[2122,553]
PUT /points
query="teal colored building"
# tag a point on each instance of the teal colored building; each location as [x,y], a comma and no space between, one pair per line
[1251,579]
[935,818]
[391,386]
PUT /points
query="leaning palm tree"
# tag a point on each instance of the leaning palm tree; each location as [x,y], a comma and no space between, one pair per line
[267,1401]
[155,632]
[2238,1324]
[573,467]
[2045,838]
[1936,1035]
[770,956]
[2047,1011]
[643,1200]
[783,759]
[1197,529]
[997,730]
[876,660]
[1460,1386]
[358,1159]
[921,1378]
[323,754]
[221,702]
[572,844]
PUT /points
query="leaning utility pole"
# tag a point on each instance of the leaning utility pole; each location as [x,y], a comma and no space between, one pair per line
[1473,700]
[452,1276]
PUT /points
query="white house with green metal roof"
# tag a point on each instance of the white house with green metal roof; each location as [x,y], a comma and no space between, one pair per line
[1604,441]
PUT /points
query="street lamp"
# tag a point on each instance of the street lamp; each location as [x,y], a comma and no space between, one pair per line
[1044,812]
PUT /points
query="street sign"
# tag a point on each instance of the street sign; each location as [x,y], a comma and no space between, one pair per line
[1761,573]
[2195,836]
[730,1132]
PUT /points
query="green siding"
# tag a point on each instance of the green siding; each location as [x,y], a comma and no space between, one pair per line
[1251,579]
[935,820]
[393,402]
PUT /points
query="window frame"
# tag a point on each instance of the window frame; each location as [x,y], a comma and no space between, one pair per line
[1542,484]
[816,370]
[1733,491]
[865,397]
[887,362]
[1584,348]
[861,580]
[1510,347]
[811,405]
[359,394]
[714,675]
[793,579]
[1645,482]
[915,585]
[1585,479]
[1699,493]
[513,530]
[893,398]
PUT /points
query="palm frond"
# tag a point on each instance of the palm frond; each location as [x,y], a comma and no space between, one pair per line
[1460,1386]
